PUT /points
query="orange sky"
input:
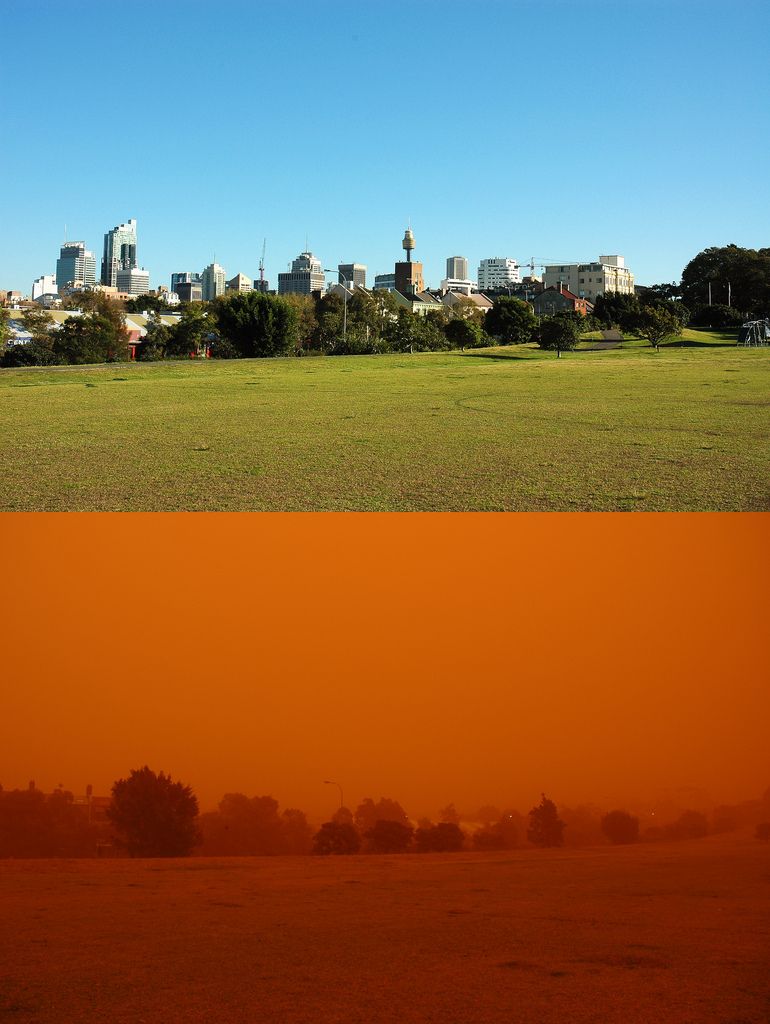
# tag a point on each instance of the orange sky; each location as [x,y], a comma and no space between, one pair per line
[472,658]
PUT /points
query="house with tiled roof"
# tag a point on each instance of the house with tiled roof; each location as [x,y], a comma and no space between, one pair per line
[558,299]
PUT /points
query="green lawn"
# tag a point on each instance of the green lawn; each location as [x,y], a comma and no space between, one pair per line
[495,429]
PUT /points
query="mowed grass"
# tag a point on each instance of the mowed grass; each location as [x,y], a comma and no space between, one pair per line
[648,934]
[506,429]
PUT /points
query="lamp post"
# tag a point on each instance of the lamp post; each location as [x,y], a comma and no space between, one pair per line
[331,782]
[345,304]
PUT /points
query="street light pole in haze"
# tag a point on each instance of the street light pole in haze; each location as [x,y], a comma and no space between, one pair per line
[330,782]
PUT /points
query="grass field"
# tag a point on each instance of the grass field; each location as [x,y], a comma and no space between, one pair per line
[504,429]
[651,934]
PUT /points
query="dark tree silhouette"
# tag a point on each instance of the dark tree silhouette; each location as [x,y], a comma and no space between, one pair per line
[446,837]
[689,825]
[368,813]
[545,826]
[153,815]
[501,835]
[336,837]
[620,827]
[389,837]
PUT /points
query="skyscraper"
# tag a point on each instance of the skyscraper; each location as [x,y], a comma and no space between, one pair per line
[305,277]
[457,268]
[352,274]
[75,263]
[213,281]
[119,252]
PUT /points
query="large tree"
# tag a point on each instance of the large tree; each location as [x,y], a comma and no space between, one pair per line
[545,826]
[558,333]
[620,827]
[728,272]
[256,324]
[655,324]
[510,320]
[153,815]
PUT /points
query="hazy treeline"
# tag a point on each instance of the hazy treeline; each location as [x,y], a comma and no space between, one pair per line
[36,824]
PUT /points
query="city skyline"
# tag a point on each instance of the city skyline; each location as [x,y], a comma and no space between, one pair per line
[600,139]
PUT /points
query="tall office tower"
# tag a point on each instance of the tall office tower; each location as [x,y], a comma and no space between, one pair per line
[498,272]
[457,268]
[352,275]
[184,277]
[213,281]
[119,252]
[305,277]
[75,263]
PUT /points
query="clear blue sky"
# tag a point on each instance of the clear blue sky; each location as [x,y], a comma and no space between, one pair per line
[559,130]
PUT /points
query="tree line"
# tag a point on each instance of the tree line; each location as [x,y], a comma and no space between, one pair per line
[150,814]
[253,324]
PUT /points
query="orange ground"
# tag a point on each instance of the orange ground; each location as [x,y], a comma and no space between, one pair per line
[653,933]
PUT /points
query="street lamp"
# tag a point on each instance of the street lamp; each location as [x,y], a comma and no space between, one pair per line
[345,306]
[330,782]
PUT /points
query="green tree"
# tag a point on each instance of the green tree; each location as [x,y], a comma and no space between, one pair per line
[545,826]
[153,815]
[464,334]
[195,330]
[729,272]
[5,330]
[97,336]
[511,321]
[613,309]
[145,304]
[620,827]
[256,323]
[559,334]
[155,341]
[655,324]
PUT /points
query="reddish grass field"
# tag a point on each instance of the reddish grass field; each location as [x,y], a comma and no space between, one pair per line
[653,933]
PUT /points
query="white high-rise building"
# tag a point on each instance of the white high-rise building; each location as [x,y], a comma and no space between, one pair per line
[587,280]
[213,282]
[498,272]
[306,276]
[45,285]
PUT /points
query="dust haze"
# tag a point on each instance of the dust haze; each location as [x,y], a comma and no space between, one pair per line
[481,663]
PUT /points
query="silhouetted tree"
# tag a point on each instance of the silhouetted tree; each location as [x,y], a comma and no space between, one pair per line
[499,835]
[368,813]
[389,837]
[545,826]
[446,837]
[620,827]
[153,815]
[689,825]
[336,838]
[449,813]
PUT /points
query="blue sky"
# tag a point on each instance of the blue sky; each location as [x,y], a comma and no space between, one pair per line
[558,130]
